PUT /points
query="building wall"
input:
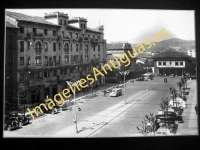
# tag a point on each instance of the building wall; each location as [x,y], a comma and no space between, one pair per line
[170,64]
[34,82]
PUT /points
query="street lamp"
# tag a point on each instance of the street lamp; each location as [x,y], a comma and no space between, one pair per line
[124,73]
[75,117]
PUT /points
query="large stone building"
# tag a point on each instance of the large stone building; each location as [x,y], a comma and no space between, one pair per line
[50,51]
[171,63]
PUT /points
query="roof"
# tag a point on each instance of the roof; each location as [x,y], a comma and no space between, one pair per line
[171,55]
[74,27]
[23,17]
[9,25]
[93,30]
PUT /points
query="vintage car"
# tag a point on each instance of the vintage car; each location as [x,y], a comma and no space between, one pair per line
[23,118]
[11,122]
[163,131]
[168,117]
[172,75]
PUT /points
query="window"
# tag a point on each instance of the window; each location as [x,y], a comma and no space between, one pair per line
[99,56]
[98,47]
[93,36]
[83,35]
[54,59]
[21,46]
[38,47]
[98,37]
[181,63]
[21,61]
[86,48]
[38,60]
[46,46]
[21,29]
[10,41]
[54,73]
[46,74]
[77,58]
[59,45]
[84,26]
[21,77]
[81,58]
[164,63]
[71,47]
[67,58]
[54,33]
[94,55]
[59,59]
[65,22]
[88,36]
[77,47]
[54,47]
[176,63]
[60,21]
[29,60]
[94,48]
[159,64]
[46,59]
[86,57]
[70,34]
[34,31]
[66,48]
[28,43]
[76,35]
[45,31]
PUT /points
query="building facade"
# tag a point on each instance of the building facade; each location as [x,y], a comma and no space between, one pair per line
[170,63]
[53,50]
[192,53]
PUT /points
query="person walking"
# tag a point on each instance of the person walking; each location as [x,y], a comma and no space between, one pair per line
[196,109]
[104,92]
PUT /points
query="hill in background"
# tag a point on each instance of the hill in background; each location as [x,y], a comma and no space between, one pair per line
[174,43]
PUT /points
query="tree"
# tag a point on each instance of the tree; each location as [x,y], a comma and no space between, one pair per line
[138,68]
[148,125]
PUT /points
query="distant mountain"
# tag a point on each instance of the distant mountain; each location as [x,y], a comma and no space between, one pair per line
[173,43]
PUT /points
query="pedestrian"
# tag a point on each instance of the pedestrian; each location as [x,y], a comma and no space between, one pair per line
[196,109]
[104,92]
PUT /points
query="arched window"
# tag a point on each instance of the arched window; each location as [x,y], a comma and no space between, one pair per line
[86,47]
[60,21]
[38,47]
[66,48]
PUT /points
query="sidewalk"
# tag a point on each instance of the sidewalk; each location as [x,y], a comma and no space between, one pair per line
[190,124]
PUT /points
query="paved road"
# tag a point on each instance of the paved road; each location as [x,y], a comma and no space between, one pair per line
[103,116]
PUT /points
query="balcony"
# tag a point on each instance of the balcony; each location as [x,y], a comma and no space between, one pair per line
[94,41]
[86,39]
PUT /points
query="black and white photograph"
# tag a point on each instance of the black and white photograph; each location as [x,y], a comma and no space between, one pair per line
[91,72]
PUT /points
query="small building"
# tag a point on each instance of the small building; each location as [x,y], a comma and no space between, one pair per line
[192,53]
[170,63]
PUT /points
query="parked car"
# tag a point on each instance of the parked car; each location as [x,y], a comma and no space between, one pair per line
[163,131]
[24,119]
[11,122]
[168,117]
[177,103]
[116,92]
[53,110]
[172,75]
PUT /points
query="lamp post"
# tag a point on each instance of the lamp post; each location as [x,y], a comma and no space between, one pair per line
[124,73]
[75,117]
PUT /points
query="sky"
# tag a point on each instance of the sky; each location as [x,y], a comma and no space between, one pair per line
[131,25]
